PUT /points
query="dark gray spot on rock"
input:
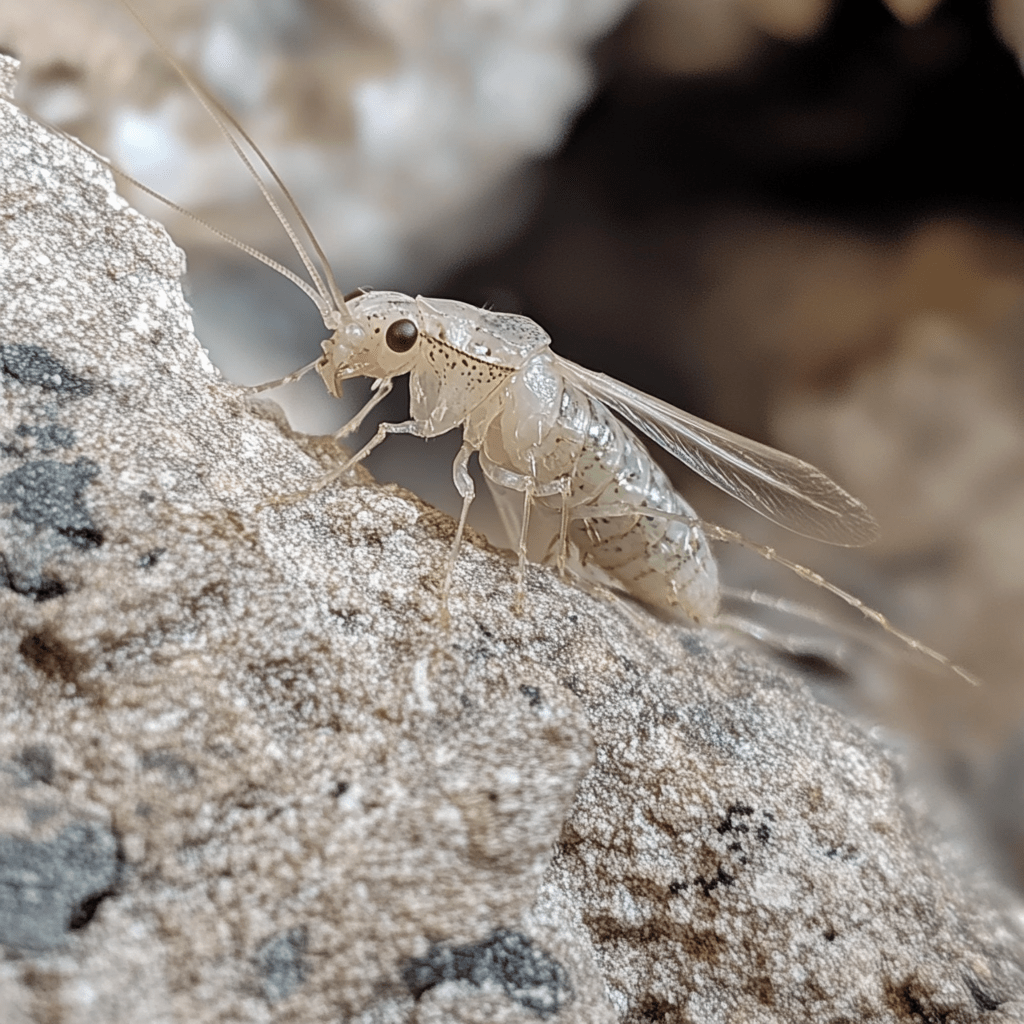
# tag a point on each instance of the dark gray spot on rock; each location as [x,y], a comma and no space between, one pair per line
[48,438]
[529,976]
[693,645]
[281,963]
[653,1010]
[30,584]
[729,822]
[50,888]
[573,684]
[39,813]
[49,493]
[31,439]
[35,763]
[981,998]
[532,694]
[47,589]
[175,769]
[150,558]
[709,885]
[31,364]
[913,999]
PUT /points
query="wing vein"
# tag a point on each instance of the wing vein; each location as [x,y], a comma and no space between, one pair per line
[781,487]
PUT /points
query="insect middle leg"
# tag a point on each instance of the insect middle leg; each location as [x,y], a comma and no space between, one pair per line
[563,529]
[467,489]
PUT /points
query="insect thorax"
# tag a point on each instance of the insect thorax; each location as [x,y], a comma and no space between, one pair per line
[503,339]
[466,355]
[447,386]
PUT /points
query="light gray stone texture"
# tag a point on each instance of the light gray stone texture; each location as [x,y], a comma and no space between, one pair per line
[251,778]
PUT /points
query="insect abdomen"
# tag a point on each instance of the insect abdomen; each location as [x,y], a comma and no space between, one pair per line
[662,562]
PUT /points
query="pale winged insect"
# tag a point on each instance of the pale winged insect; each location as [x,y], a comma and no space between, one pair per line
[550,437]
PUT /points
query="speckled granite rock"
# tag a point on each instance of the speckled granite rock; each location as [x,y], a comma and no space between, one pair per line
[244,775]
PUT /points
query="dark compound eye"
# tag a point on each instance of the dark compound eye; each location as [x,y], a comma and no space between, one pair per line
[401,335]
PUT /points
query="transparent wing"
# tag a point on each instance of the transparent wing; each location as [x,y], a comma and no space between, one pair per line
[782,488]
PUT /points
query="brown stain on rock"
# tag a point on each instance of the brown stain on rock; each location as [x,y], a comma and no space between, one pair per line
[46,652]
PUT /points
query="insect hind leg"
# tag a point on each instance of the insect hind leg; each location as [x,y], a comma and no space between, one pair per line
[521,550]
[798,610]
[834,653]
[720,533]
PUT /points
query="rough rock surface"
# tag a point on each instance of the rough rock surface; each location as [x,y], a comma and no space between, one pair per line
[245,775]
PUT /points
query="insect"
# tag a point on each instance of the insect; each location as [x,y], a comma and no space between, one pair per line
[552,438]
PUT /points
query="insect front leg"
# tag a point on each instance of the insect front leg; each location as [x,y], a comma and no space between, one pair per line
[291,378]
[409,427]
[381,388]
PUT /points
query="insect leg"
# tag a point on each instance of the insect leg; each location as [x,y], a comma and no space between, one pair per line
[255,389]
[796,646]
[383,429]
[720,533]
[798,610]
[465,486]
[563,531]
[524,532]
[382,388]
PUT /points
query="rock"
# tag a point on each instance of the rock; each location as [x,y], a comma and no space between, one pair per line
[253,779]
[392,122]
[930,436]
[50,888]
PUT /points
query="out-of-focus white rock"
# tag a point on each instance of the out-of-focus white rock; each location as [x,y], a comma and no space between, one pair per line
[245,776]
[1008,17]
[390,121]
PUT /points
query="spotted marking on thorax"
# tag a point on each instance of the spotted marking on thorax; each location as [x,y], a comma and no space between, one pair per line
[460,369]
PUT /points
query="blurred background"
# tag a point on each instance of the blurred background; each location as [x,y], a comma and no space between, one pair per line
[802,219]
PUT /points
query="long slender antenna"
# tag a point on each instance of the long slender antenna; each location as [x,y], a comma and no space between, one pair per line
[249,250]
[222,118]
